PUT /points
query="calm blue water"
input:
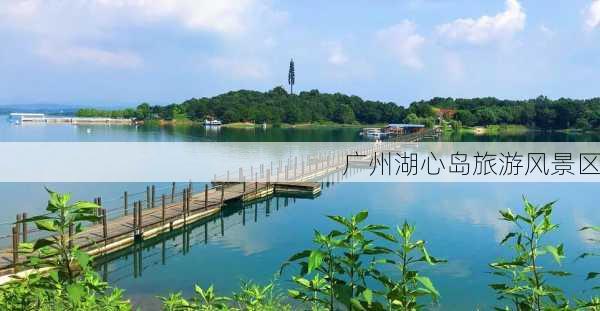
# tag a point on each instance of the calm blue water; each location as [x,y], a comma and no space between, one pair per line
[459,221]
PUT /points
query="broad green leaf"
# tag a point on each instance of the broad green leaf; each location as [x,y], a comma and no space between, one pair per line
[300,255]
[42,243]
[508,215]
[557,273]
[368,295]
[356,304]
[82,258]
[592,275]
[362,215]
[556,252]
[75,291]
[315,259]
[85,205]
[26,247]
[339,219]
[47,225]
[385,236]
[507,237]
[426,282]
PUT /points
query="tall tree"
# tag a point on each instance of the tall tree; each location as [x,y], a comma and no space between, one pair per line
[291,76]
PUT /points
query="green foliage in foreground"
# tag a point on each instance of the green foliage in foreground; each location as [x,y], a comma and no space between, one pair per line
[347,268]
[252,297]
[526,283]
[357,266]
[68,281]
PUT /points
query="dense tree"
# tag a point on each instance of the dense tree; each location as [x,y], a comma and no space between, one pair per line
[541,112]
[276,106]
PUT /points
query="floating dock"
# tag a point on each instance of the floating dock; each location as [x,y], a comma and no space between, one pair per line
[31,118]
[145,215]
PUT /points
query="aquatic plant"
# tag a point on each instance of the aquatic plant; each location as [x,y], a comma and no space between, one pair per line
[593,303]
[251,297]
[344,264]
[67,280]
[403,294]
[526,282]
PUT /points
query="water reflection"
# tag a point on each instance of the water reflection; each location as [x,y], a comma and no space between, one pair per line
[225,228]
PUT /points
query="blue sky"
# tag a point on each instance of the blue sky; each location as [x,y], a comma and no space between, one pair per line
[107,52]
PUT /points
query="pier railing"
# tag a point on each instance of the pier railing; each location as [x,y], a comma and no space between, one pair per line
[131,213]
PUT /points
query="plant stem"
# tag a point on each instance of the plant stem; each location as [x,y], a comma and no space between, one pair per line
[532,245]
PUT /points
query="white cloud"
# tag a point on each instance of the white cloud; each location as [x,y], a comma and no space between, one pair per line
[337,56]
[592,15]
[86,29]
[486,28]
[239,68]
[78,54]
[223,16]
[403,42]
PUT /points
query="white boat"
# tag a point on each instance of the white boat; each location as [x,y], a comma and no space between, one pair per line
[212,122]
[20,117]
[373,133]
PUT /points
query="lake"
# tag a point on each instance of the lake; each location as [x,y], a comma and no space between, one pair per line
[459,221]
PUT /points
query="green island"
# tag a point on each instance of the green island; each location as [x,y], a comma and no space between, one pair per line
[248,109]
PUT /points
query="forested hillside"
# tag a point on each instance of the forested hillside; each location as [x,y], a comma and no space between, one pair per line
[275,106]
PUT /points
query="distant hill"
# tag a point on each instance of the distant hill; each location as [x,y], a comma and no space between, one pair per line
[58,109]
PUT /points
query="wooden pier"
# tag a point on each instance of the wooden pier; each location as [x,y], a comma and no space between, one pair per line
[146,214]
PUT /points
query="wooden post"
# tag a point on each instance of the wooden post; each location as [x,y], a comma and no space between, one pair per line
[222,194]
[147,196]
[104,227]
[162,199]
[184,203]
[98,210]
[15,248]
[190,187]
[172,192]
[18,226]
[189,199]
[125,203]
[153,195]
[205,196]
[135,215]
[140,223]
[24,227]
[244,187]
